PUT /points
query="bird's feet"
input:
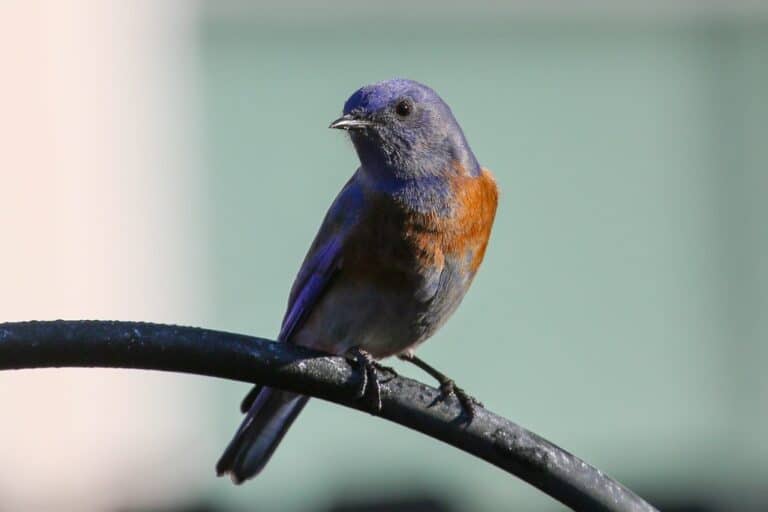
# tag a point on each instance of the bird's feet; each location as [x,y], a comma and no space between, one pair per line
[370,387]
[469,404]
[448,387]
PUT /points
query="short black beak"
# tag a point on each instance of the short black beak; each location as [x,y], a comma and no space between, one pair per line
[350,122]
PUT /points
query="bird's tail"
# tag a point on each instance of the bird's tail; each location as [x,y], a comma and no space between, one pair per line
[271,414]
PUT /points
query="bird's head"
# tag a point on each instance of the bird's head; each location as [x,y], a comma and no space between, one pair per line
[404,128]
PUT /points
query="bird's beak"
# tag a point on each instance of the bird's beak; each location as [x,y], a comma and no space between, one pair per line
[350,122]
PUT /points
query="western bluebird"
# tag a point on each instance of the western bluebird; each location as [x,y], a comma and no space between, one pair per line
[393,257]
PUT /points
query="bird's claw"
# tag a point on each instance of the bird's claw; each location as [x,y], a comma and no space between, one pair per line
[370,387]
[468,403]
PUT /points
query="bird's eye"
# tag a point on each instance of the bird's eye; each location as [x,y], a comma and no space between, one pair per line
[403,108]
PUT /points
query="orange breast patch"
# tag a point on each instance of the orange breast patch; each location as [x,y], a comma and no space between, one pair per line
[465,231]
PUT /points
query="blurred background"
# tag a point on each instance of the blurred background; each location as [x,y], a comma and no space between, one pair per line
[169,161]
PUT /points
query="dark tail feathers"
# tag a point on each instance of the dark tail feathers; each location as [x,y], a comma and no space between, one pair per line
[271,414]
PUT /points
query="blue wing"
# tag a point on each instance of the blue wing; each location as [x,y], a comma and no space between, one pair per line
[321,264]
[323,259]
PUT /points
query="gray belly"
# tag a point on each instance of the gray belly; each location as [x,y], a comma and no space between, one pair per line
[382,321]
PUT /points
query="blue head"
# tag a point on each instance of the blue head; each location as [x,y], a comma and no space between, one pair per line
[404,129]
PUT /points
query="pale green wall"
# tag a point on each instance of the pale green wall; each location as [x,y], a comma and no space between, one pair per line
[620,309]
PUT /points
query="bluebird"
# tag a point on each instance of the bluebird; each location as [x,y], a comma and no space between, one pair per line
[393,258]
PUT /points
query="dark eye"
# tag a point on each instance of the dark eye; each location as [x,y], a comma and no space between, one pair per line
[404,108]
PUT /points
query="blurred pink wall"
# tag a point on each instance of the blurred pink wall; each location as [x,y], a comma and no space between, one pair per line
[100,217]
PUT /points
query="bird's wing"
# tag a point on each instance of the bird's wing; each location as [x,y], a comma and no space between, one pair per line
[323,260]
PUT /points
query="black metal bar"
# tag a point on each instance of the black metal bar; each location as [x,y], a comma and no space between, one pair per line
[233,356]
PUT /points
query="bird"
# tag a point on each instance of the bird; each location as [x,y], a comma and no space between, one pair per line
[393,258]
